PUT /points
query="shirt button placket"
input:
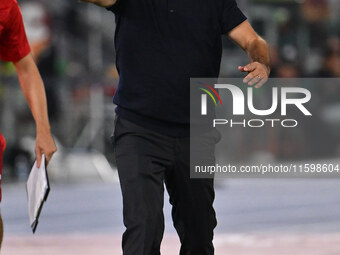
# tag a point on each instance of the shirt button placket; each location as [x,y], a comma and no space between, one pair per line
[171,6]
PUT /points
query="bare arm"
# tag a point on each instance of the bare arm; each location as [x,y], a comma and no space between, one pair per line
[257,50]
[102,3]
[34,91]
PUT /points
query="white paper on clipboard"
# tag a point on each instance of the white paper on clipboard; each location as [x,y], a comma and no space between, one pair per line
[37,191]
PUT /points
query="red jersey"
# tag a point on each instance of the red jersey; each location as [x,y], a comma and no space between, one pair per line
[2,149]
[13,41]
[13,45]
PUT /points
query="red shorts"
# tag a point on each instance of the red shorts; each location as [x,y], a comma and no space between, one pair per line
[2,149]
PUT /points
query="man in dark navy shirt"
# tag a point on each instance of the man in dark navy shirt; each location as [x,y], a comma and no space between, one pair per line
[160,45]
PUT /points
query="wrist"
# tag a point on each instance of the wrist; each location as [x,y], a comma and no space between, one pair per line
[43,128]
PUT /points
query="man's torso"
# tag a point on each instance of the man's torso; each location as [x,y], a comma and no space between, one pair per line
[160,45]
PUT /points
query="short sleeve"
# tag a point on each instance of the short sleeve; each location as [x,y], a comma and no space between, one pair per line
[115,8]
[13,43]
[232,16]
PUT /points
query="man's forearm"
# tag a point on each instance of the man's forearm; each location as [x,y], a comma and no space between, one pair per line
[34,91]
[102,3]
[258,51]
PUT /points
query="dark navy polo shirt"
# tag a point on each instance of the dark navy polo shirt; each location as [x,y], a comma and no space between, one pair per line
[160,45]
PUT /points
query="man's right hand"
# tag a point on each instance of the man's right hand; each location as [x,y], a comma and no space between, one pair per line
[102,3]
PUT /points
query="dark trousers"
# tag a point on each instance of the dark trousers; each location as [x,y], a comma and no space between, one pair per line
[146,160]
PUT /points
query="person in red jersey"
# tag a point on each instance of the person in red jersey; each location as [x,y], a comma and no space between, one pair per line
[14,48]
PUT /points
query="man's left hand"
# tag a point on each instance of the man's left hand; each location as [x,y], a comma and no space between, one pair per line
[44,145]
[258,74]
